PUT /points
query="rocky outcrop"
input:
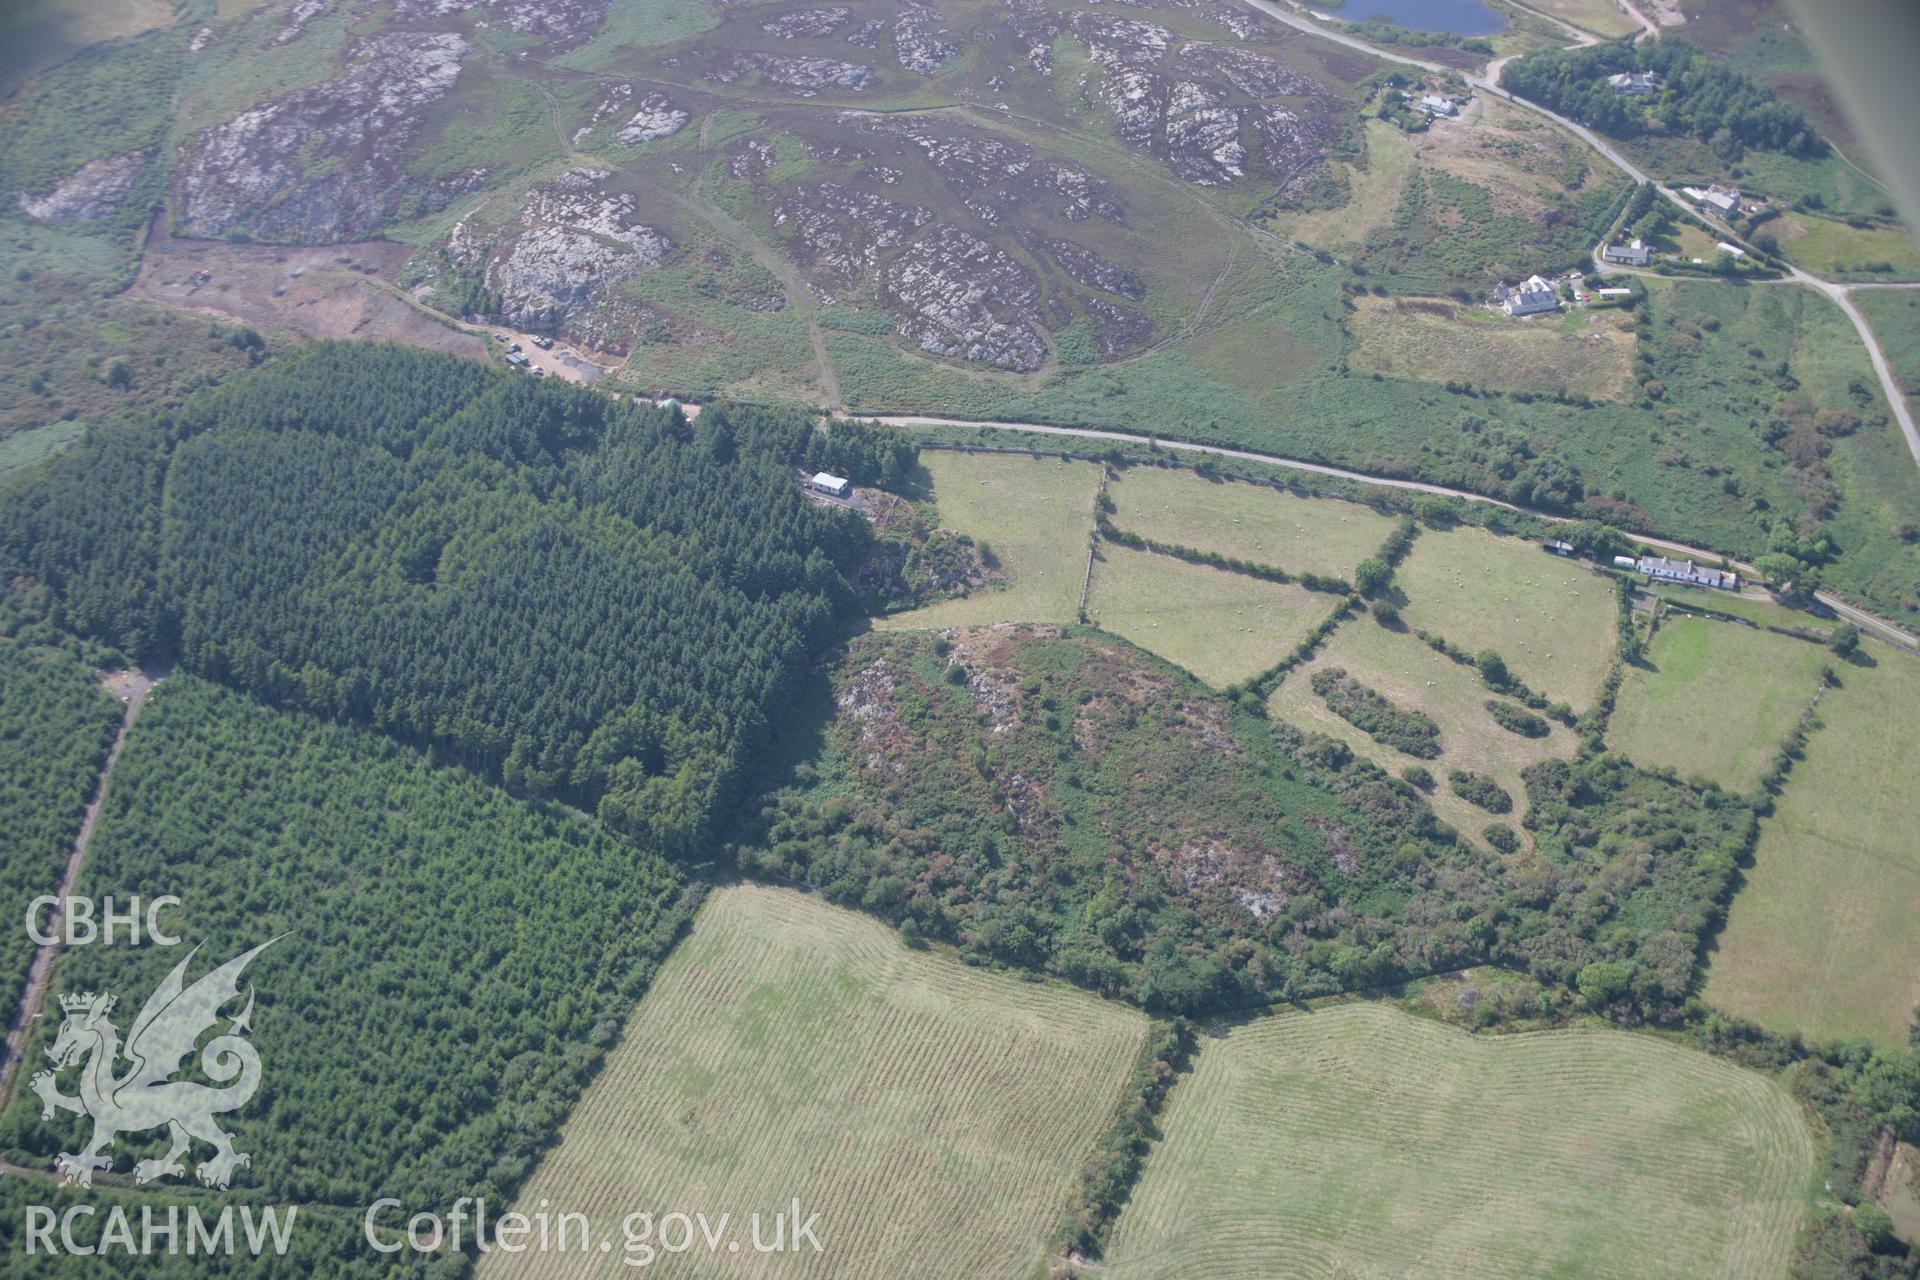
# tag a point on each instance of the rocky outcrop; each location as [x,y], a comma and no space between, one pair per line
[1129,51]
[807,23]
[89,193]
[919,36]
[553,268]
[1204,147]
[656,118]
[1090,269]
[843,230]
[328,162]
[806,75]
[955,295]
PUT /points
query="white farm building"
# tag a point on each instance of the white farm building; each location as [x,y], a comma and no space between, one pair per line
[1688,572]
[1530,298]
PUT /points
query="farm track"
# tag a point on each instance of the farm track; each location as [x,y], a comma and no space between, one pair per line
[1880,627]
[735,232]
[134,687]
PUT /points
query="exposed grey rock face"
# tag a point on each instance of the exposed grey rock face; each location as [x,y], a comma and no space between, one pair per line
[1034,24]
[805,74]
[563,22]
[843,230]
[1288,141]
[302,12]
[1090,269]
[1189,95]
[1206,106]
[956,295]
[991,173]
[919,37]
[808,23]
[253,170]
[750,159]
[656,118]
[1129,50]
[89,193]
[419,10]
[1204,148]
[1079,194]
[1244,23]
[554,266]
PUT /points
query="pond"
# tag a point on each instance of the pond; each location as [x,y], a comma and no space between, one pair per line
[1461,17]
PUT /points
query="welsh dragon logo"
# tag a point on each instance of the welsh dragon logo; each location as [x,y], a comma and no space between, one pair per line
[145,1097]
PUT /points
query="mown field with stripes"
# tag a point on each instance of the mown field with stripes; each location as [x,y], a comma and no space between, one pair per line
[934,1116]
[1358,1140]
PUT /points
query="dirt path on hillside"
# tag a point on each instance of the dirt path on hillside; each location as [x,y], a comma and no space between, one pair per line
[742,237]
[132,686]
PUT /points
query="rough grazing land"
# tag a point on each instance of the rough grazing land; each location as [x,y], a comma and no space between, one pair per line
[1436,340]
[336,291]
[1414,677]
[1553,621]
[933,1115]
[1825,938]
[1224,627]
[1249,522]
[1359,1140]
[1034,518]
[1714,699]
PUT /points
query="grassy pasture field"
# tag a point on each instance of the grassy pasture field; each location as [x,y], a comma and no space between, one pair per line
[1825,937]
[932,1114]
[1692,243]
[1757,609]
[1247,521]
[1831,248]
[1714,699]
[1374,191]
[1439,340]
[1360,1140]
[1224,627]
[1035,517]
[1552,620]
[1416,678]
